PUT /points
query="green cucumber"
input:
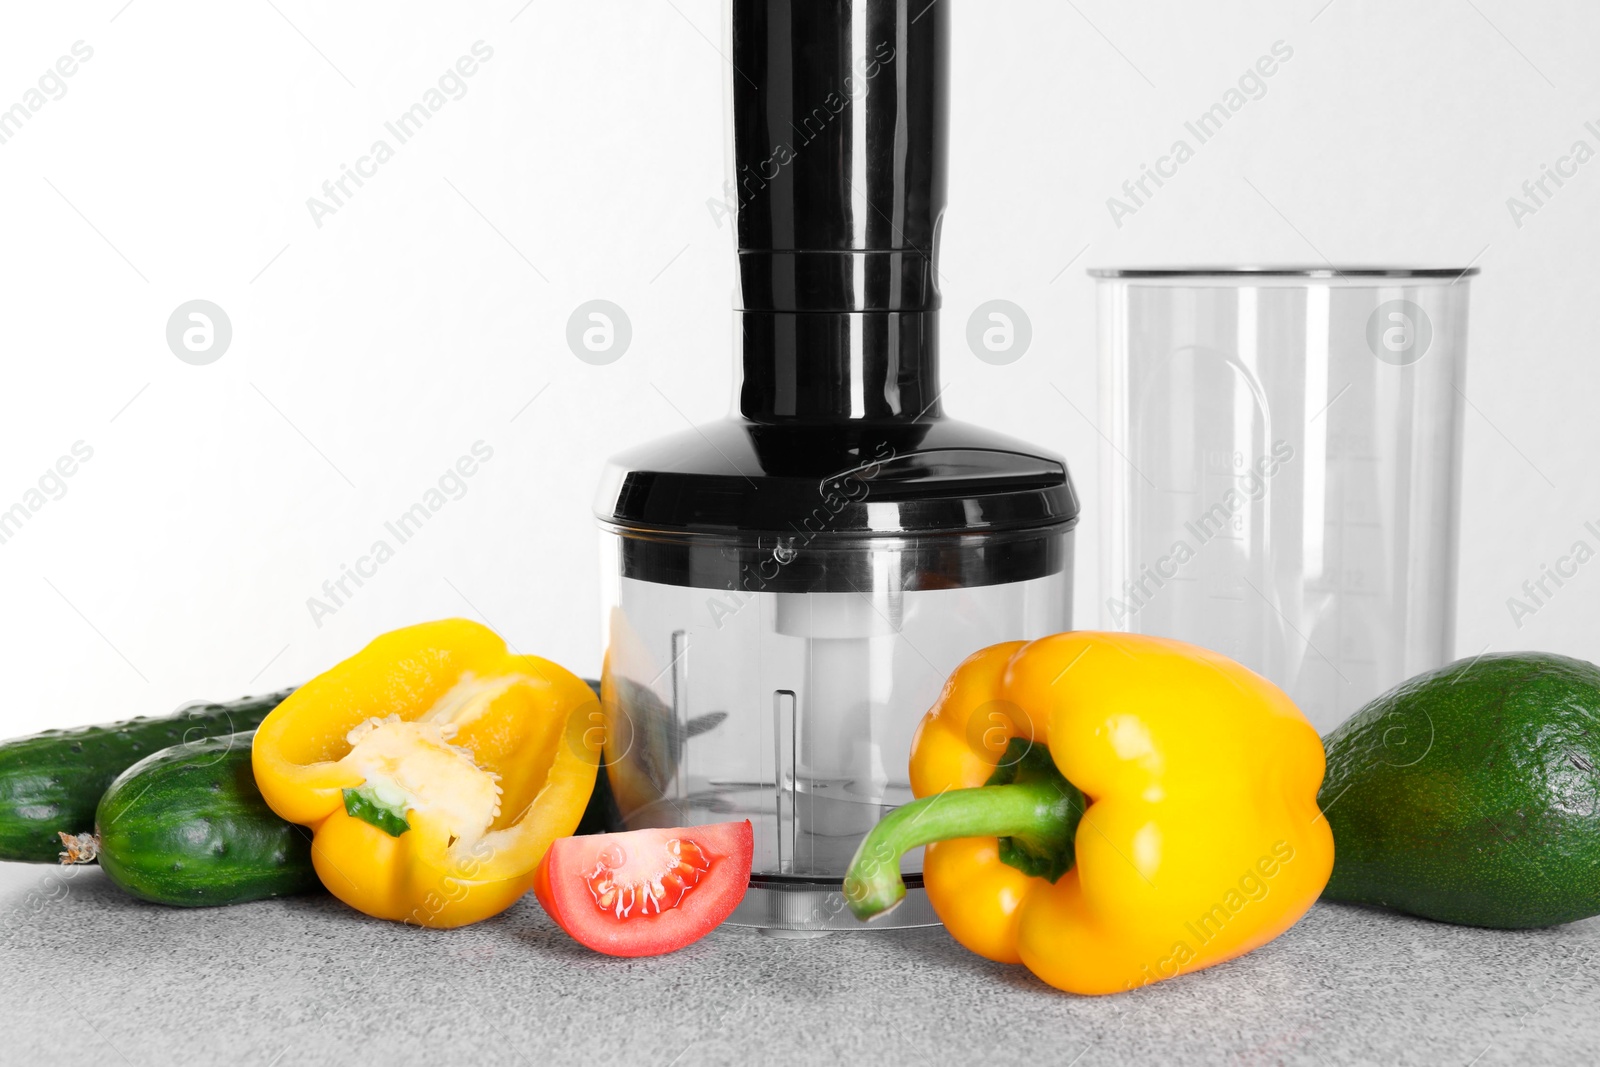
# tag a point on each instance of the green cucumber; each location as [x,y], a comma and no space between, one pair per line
[187,826]
[51,781]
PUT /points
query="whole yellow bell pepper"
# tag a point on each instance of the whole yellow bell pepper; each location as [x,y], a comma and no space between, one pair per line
[1108,809]
[434,768]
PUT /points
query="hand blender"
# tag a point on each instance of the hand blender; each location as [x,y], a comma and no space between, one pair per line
[787,589]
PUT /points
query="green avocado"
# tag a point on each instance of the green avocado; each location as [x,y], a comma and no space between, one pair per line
[1471,794]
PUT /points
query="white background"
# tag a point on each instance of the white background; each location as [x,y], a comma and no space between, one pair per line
[372,352]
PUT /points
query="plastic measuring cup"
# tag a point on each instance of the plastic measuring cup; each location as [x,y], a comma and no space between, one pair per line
[1282,469]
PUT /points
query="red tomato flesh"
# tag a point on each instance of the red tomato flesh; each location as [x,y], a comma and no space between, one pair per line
[646,892]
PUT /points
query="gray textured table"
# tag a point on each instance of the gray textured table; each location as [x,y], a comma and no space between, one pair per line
[306,981]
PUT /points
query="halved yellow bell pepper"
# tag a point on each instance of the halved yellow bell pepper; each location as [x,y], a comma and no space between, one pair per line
[435,768]
[1108,809]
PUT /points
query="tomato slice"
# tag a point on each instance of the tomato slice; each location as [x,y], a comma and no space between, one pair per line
[646,892]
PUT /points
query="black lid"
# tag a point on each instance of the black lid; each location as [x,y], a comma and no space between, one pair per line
[847,479]
[798,507]
[839,117]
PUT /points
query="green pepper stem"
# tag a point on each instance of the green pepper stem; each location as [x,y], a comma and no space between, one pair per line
[1038,810]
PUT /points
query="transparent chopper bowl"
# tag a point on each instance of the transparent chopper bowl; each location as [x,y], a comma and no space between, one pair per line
[795,710]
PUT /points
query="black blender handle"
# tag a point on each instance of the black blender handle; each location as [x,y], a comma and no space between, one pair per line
[840,113]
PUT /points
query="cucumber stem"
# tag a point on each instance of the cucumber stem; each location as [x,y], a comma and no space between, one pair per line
[79,848]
